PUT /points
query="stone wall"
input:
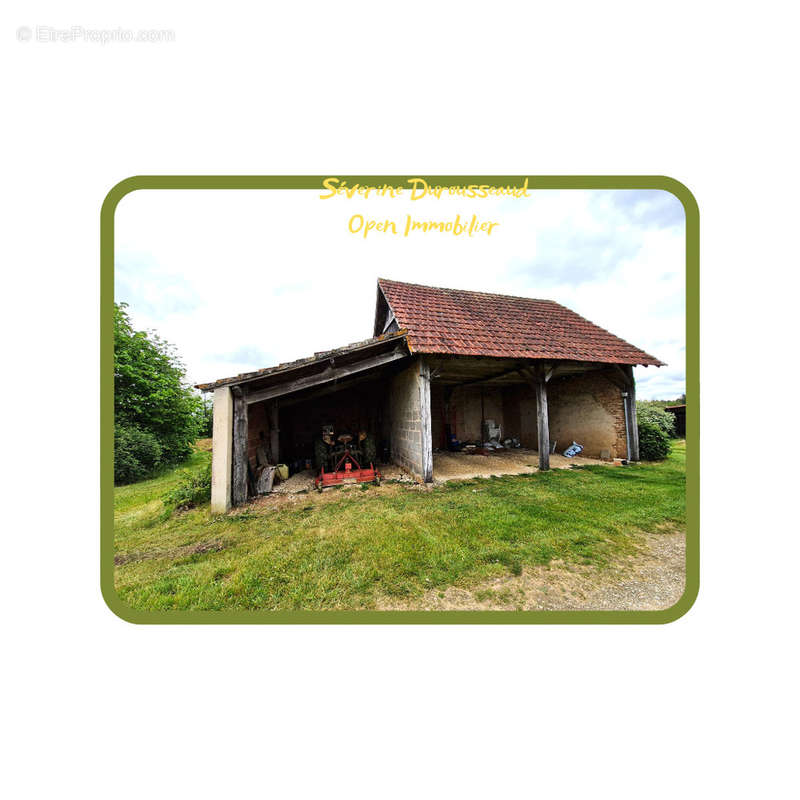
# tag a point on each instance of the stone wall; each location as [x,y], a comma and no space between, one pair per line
[465,412]
[587,409]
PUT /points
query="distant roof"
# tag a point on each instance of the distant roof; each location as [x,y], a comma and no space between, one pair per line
[675,408]
[457,322]
[324,355]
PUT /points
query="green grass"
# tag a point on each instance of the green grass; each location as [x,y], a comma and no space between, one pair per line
[139,504]
[347,548]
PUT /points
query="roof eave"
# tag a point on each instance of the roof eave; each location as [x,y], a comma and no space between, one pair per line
[281,369]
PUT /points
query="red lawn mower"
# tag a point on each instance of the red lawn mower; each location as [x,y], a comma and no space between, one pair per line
[344,460]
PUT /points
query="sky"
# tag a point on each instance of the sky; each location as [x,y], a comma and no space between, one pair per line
[239,280]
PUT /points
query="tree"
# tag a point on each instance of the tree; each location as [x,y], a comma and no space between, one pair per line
[151,402]
[207,417]
[653,413]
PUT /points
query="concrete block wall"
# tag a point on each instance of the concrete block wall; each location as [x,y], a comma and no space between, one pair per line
[405,420]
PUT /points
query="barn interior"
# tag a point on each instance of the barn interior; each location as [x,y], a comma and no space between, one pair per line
[473,396]
[375,403]
[353,406]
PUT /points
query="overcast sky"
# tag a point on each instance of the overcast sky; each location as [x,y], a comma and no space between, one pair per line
[239,280]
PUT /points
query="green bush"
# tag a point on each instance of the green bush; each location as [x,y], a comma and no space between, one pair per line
[206,417]
[137,454]
[655,415]
[193,490]
[150,395]
[653,442]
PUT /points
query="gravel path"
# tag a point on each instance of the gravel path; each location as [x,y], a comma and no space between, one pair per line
[656,579]
[651,579]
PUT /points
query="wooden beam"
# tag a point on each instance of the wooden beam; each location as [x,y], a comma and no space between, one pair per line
[447,396]
[622,376]
[274,434]
[331,373]
[248,378]
[495,377]
[239,482]
[634,424]
[425,421]
[537,372]
[328,388]
[619,377]
[390,318]
[542,419]
[538,376]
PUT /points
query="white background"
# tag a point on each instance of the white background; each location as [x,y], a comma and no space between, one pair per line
[706,706]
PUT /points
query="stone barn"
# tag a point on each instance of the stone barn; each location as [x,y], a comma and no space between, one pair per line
[444,368]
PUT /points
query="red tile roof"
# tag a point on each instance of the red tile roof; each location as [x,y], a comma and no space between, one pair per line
[465,323]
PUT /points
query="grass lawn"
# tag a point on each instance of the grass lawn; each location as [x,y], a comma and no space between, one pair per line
[348,547]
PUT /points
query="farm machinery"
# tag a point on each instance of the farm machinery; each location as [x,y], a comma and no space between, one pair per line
[345,458]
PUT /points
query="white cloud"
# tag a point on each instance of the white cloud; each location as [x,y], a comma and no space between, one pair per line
[239,280]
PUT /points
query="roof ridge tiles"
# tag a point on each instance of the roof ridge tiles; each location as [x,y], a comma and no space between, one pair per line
[468,322]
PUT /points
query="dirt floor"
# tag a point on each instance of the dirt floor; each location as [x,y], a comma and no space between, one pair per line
[299,482]
[454,466]
[447,466]
[652,579]
[304,481]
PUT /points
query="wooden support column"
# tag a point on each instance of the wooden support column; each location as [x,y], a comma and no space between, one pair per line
[239,482]
[274,434]
[634,425]
[538,377]
[448,424]
[542,419]
[425,421]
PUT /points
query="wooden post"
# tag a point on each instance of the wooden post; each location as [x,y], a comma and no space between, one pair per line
[543,423]
[538,378]
[448,424]
[425,421]
[274,434]
[634,425]
[239,482]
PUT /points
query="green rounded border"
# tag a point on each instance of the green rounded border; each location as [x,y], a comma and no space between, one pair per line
[165,182]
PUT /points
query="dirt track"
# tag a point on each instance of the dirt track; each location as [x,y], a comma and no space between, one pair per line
[652,579]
